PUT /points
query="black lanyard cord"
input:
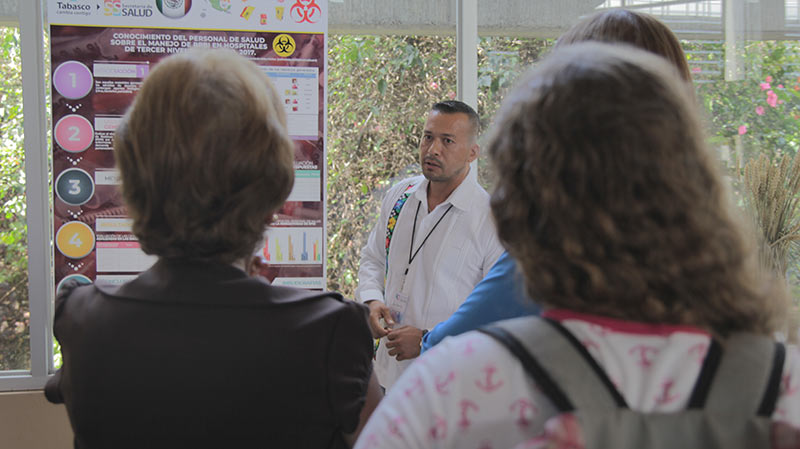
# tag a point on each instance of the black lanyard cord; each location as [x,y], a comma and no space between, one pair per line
[411,256]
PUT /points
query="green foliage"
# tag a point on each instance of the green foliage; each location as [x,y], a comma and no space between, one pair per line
[380,89]
[14,314]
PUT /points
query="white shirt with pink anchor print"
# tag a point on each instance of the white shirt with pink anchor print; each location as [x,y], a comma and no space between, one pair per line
[470,392]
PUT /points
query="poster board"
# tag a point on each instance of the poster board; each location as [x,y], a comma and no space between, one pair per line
[102,50]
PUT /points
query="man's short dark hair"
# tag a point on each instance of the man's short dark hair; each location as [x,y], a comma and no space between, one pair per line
[455,106]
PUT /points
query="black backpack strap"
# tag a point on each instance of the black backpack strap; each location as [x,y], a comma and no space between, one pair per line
[554,354]
[707,372]
[532,367]
[749,376]
[767,407]
[581,349]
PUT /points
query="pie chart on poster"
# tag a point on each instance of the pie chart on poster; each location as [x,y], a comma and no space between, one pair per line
[73,80]
[74,133]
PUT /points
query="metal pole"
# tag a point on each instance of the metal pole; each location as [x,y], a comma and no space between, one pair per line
[40,280]
[467,51]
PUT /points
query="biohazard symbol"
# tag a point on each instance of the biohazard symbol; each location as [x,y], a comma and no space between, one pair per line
[305,11]
[284,45]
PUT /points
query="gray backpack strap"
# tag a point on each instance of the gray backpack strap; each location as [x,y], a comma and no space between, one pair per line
[749,375]
[568,363]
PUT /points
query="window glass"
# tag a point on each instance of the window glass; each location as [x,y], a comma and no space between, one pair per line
[14,311]
[745,63]
[380,89]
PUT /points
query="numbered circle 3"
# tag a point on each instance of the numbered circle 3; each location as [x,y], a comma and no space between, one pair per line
[74,133]
[75,240]
[82,280]
[73,80]
[74,186]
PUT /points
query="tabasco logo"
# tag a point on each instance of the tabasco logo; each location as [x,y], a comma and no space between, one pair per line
[305,11]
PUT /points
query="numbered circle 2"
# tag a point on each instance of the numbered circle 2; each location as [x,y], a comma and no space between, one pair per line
[75,240]
[74,186]
[82,280]
[74,133]
[73,80]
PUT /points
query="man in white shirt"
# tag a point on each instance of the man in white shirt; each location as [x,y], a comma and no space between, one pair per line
[433,242]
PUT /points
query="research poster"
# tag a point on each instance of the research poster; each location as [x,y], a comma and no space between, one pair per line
[102,51]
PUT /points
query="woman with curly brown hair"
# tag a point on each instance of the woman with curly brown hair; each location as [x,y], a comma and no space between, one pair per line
[617,215]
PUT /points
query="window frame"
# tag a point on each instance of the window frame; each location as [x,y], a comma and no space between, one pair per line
[31,24]
[40,290]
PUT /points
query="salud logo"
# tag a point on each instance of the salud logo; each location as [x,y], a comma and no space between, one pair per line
[284,45]
[305,11]
[174,9]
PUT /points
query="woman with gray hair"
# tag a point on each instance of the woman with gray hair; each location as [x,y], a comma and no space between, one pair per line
[194,352]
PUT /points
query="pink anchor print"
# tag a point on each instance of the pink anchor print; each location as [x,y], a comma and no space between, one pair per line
[468,348]
[371,441]
[645,354]
[415,386]
[394,426]
[788,388]
[466,406]
[591,346]
[488,385]
[699,351]
[439,429]
[523,405]
[441,385]
[666,397]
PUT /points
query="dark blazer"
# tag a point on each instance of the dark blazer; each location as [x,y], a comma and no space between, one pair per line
[193,354]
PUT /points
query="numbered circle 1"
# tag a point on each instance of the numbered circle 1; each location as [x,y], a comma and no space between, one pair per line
[74,133]
[74,186]
[73,80]
[82,280]
[75,240]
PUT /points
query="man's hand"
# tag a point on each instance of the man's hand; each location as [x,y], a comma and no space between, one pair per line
[404,342]
[377,311]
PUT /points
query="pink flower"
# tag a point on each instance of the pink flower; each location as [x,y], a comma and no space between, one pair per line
[772,99]
[696,69]
[743,130]
[434,85]
[780,101]
[780,86]
[768,79]
[764,86]
[760,110]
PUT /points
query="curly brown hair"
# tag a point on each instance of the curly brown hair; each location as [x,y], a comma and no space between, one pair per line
[204,156]
[638,29]
[610,201]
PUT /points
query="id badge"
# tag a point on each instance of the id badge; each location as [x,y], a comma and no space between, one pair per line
[398,307]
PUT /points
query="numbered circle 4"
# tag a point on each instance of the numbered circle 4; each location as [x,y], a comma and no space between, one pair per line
[73,80]
[74,186]
[82,280]
[74,133]
[75,240]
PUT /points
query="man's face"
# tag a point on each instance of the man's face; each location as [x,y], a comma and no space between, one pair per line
[447,146]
